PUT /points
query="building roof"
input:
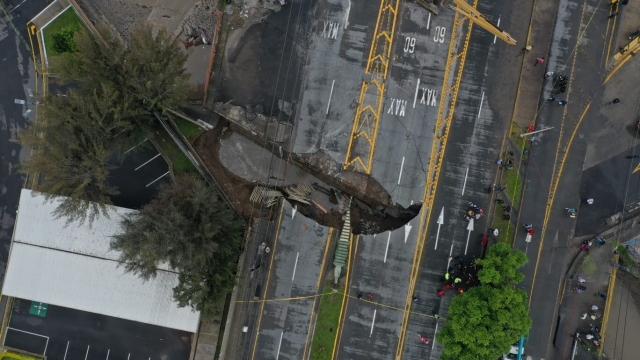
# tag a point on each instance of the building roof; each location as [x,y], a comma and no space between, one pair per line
[72,266]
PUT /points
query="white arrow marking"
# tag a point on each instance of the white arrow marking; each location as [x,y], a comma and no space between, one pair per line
[407,230]
[448,262]
[293,212]
[470,228]
[440,222]
[387,250]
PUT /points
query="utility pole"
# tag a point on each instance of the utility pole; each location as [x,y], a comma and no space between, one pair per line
[535,132]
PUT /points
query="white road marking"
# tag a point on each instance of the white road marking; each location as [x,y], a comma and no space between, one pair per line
[293,211]
[433,343]
[136,145]
[373,322]
[387,249]
[279,345]
[87,355]
[415,97]
[440,222]
[330,95]
[465,181]
[295,266]
[65,351]
[401,167]
[108,351]
[481,101]
[407,230]
[148,161]
[495,37]
[470,229]
[26,332]
[346,17]
[450,252]
[128,356]
[429,21]
[163,175]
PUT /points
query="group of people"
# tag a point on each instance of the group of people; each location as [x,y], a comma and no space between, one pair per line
[509,163]
[593,335]
[460,276]
[473,212]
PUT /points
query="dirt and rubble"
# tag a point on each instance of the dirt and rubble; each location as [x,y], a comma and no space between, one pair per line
[327,205]
[124,15]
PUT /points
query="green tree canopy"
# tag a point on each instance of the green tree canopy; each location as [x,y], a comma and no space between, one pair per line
[484,322]
[72,157]
[151,67]
[191,230]
[116,89]
[501,266]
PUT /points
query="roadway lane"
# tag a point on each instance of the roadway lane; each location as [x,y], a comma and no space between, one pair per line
[16,77]
[468,169]
[337,55]
[576,51]
[382,264]
[299,257]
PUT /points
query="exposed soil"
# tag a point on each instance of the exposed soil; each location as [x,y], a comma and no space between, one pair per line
[365,218]
[237,189]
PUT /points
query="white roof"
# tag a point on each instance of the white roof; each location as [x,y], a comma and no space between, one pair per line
[73,267]
[85,239]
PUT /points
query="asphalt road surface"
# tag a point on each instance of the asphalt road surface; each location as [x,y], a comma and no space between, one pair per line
[16,77]
[75,335]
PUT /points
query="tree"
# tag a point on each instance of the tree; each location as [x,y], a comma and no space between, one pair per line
[63,41]
[484,322]
[191,230]
[71,159]
[500,266]
[116,90]
[151,67]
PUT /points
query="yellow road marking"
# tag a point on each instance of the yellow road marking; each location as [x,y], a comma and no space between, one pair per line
[607,305]
[636,169]
[266,287]
[435,165]
[347,286]
[313,307]
[555,176]
[364,132]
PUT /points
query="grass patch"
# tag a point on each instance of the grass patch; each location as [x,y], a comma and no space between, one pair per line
[9,355]
[327,322]
[505,228]
[511,178]
[626,258]
[68,18]
[180,162]
[515,135]
[190,130]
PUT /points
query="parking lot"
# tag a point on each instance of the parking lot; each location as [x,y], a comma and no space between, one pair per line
[67,334]
[139,176]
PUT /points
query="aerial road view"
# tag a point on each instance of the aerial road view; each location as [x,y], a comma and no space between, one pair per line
[319,179]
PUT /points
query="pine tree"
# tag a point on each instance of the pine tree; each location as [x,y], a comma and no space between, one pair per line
[191,230]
